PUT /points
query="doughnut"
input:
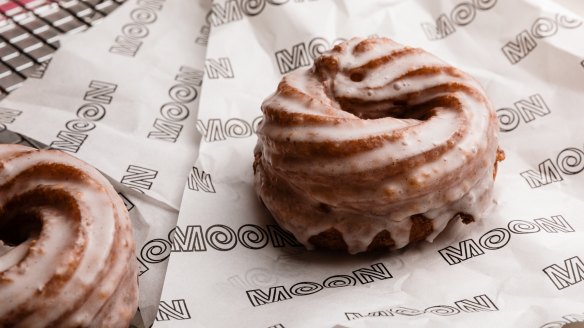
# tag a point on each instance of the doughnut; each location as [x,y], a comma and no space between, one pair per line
[376,146]
[66,244]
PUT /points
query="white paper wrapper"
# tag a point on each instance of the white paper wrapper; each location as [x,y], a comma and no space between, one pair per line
[123,97]
[520,266]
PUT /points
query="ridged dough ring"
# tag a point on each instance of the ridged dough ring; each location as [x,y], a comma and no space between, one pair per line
[66,245]
[376,146]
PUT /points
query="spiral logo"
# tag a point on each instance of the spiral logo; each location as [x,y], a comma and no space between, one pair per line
[521,227]
[237,128]
[495,239]
[91,111]
[143,15]
[174,111]
[182,93]
[571,161]
[155,251]
[80,125]
[442,310]
[252,236]
[317,47]
[305,288]
[463,14]
[339,281]
[135,30]
[221,237]
[508,119]
[485,4]
[260,277]
[544,27]
[405,311]
[568,22]
[253,7]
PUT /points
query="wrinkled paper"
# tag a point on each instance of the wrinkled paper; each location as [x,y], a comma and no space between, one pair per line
[123,96]
[522,265]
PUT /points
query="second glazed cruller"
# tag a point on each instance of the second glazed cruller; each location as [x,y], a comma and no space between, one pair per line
[376,146]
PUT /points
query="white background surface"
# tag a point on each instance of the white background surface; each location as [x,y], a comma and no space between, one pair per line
[208,288]
[214,283]
[575,5]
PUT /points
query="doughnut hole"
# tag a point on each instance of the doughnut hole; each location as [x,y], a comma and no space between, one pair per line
[21,217]
[357,77]
[396,108]
[20,226]
[370,103]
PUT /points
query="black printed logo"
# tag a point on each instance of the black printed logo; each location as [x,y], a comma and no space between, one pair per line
[203,38]
[182,94]
[127,203]
[130,39]
[39,72]
[525,110]
[479,303]
[176,310]
[220,237]
[99,94]
[139,178]
[219,68]
[234,10]
[154,251]
[258,297]
[571,273]
[194,238]
[463,14]
[498,238]
[200,181]
[218,130]
[543,27]
[229,12]
[8,116]
[569,161]
[302,54]
[69,141]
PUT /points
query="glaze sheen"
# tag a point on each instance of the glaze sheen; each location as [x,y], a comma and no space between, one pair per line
[66,245]
[374,137]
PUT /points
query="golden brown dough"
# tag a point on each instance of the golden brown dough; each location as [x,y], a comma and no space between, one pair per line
[376,146]
[66,245]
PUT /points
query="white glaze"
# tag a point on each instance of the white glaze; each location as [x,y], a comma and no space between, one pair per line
[459,181]
[104,237]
